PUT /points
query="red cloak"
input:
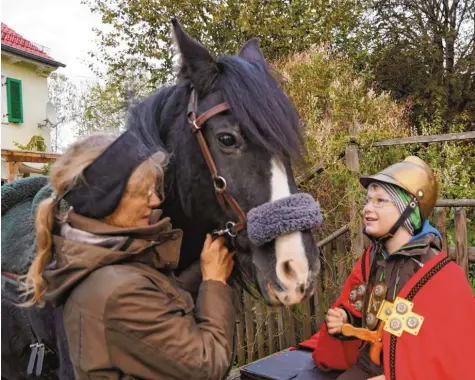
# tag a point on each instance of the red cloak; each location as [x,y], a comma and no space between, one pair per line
[445,346]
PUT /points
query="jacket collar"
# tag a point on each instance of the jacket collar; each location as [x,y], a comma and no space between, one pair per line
[98,227]
[91,244]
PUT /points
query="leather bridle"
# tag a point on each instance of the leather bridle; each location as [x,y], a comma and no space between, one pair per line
[225,200]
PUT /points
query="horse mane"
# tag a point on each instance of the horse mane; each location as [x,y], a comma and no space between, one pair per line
[266,115]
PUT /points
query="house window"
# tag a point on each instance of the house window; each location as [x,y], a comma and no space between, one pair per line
[14,101]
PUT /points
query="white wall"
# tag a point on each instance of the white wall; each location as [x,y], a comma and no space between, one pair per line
[35,97]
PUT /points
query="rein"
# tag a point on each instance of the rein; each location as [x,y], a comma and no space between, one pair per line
[11,276]
[225,200]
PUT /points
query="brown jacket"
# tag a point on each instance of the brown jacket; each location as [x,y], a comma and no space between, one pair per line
[125,315]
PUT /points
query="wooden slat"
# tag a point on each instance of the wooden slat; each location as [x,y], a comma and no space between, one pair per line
[290,328]
[318,302]
[240,326]
[317,169]
[455,203]
[306,319]
[340,258]
[471,253]
[426,139]
[333,236]
[441,225]
[328,274]
[23,156]
[249,319]
[271,332]
[281,328]
[261,330]
[461,238]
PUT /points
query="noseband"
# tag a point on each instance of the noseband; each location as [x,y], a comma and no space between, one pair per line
[225,200]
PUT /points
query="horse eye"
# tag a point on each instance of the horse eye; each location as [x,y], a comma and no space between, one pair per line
[227,139]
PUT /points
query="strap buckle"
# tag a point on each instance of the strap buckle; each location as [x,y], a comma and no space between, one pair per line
[230,230]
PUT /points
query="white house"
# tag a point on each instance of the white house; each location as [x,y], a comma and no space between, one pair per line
[25,69]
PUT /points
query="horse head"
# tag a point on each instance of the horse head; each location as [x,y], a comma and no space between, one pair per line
[253,144]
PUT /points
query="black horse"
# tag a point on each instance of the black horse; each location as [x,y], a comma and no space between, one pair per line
[253,145]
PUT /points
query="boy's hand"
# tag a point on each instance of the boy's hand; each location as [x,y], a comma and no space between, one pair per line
[335,319]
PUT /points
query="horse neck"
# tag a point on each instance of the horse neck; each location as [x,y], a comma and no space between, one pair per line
[193,233]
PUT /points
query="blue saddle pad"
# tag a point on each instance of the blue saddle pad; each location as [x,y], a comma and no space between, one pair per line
[295,365]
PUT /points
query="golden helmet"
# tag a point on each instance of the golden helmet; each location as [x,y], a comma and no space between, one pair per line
[412,175]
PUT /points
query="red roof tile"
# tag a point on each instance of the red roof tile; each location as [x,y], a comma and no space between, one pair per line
[14,40]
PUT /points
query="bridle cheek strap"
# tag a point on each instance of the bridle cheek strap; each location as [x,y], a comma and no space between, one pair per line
[225,200]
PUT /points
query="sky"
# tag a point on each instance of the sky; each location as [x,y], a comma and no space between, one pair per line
[64,26]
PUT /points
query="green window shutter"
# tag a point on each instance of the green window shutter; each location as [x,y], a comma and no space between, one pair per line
[14,99]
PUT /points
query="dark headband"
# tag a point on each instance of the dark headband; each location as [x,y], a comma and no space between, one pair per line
[104,181]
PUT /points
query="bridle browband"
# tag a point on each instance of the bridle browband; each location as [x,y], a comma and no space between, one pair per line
[225,200]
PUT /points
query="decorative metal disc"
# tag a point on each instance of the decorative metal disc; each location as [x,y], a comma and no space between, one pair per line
[361,289]
[395,324]
[412,322]
[379,290]
[370,319]
[353,295]
[401,308]
[358,305]
[388,311]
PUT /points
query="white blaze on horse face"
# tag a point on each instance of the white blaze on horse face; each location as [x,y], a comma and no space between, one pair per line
[292,263]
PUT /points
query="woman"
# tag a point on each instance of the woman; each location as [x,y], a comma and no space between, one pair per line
[406,311]
[109,260]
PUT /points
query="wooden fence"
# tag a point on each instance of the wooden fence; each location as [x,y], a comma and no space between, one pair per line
[263,330]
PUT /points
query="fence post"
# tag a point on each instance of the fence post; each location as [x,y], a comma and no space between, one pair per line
[461,243]
[441,225]
[356,222]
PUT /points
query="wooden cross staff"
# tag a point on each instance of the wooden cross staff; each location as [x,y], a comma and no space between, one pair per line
[375,338]
[395,318]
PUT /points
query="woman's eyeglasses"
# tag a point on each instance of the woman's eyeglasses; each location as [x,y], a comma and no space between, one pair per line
[161,197]
[378,202]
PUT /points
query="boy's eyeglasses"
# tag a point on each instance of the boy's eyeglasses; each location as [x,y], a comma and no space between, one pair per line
[378,202]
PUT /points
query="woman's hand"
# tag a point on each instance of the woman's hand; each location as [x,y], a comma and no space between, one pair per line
[216,261]
[335,319]
[380,377]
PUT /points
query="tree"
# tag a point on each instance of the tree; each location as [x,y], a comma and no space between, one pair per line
[138,39]
[103,108]
[426,50]
[64,95]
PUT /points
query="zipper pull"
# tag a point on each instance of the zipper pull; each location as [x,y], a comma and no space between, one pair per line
[31,362]
[39,363]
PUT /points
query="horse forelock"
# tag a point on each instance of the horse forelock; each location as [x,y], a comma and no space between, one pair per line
[265,113]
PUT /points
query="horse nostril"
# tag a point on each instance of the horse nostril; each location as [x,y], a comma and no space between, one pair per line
[302,288]
[288,270]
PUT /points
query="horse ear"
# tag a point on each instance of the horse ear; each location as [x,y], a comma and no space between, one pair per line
[196,61]
[251,51]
